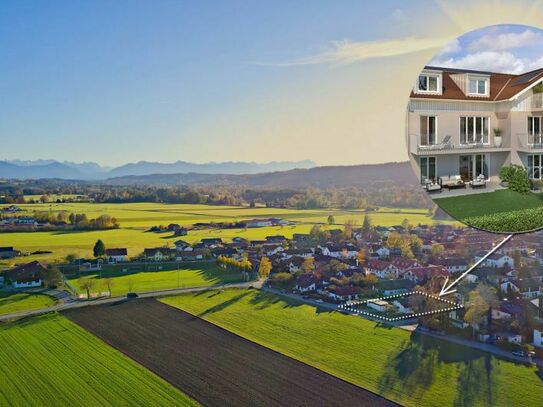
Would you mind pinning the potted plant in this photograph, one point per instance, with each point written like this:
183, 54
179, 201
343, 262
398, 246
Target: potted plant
497, 137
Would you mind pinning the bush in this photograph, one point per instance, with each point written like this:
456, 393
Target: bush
508, 222
517, 178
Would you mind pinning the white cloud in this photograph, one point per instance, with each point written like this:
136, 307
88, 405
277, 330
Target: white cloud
505, 41
535, 64
485, 61
398, 15
347, 51
451, 48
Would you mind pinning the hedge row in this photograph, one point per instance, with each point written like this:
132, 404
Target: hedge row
509, 222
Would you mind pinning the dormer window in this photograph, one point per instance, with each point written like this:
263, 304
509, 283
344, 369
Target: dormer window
478, 86
428, 83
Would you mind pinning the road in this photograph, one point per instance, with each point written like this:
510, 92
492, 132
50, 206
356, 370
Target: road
109, 300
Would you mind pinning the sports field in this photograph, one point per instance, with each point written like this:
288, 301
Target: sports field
14, 302
136, 218
50, 361
150, 278
408, 368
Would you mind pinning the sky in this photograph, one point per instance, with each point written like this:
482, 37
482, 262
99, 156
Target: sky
124, 81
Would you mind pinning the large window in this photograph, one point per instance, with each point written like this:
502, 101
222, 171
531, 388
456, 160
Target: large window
473, 165
428, 83
474, 130
534, 130
427, 169
535, 163
478, 87
428, 133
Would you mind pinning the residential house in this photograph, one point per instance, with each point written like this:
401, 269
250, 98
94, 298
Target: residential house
189, 255
181, 245
421, 274
211, 242
395, 287
379, 305
27, 275
451, 116
118, 255
306, 283
345, 293
157, 254
496, 260
454, 264
402, 304
382, 269
8, 252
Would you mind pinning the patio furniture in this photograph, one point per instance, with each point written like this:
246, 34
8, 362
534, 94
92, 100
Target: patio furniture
445, 144
431, 186
478, 182
452, 181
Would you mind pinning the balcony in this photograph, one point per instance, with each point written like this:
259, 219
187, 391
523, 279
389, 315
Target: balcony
451, 145
530, 142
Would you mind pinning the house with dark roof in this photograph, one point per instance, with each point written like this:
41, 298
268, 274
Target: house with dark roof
8, 252
27, 275
117, 255
452, 119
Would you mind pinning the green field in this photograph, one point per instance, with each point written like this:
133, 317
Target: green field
188, 275
14, 302
136, 218
49, 360
411, 369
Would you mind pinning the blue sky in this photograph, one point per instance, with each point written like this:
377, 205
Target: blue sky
502, 48
122, 81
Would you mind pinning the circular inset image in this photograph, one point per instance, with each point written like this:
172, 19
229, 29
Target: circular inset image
475, 128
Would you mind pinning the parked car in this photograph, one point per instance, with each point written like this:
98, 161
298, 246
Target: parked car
319, 301
518, 353
132, 295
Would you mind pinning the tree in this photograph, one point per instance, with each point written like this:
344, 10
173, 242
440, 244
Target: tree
331, 220
265, 267
308, 265
99, 249
361, 257
405, 224
86, 284
348, 229
108, 283
370, 280
71, 258
53, 277
366, 225
491, 298
476, 309
437, 249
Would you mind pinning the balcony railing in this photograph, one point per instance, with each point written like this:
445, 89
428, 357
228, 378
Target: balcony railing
420, 146
530, 141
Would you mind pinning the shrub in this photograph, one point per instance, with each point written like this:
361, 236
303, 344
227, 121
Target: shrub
517, 177
509, 222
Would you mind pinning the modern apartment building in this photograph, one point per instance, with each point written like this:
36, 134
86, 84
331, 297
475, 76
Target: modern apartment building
455, 115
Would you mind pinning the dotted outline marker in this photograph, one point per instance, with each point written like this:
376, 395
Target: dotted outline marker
348, 306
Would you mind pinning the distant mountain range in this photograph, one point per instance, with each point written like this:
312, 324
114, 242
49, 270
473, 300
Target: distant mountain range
317, 177
91, 171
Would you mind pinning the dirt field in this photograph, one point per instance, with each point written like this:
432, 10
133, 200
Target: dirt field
212, 365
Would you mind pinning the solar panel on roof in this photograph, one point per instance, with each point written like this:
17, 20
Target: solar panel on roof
526, 78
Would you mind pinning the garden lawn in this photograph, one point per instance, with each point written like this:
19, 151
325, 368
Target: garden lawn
14, 302
189, 275
50, 361
496, 211
503, 200
411, 369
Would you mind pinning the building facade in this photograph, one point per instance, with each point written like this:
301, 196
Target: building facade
471, 123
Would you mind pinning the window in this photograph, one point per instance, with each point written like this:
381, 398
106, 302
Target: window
534, 131
478, 87
428, 134
473, 165
427, 169
474, 130
428, 83
535, 166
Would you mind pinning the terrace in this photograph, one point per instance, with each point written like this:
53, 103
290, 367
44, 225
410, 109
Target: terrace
423, 145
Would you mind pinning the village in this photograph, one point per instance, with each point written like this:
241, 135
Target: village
342, 265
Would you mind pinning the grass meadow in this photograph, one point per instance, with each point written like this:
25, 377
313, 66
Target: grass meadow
14, 302
151, 278
48, 360
405, 367
136, 218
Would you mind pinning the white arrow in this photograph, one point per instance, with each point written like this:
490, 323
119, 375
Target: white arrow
445, 290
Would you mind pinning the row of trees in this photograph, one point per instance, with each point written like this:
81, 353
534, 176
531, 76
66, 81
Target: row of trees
228, 262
